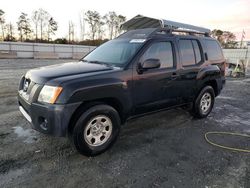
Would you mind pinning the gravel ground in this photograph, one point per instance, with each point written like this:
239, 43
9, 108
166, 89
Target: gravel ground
166, 149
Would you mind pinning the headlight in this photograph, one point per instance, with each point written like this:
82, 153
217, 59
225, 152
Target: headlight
49, 94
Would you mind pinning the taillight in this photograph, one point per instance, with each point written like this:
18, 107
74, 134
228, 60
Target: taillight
222, 67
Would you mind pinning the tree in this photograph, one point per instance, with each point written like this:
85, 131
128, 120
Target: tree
113, 22
111, 19
226, 38
229, 40
10, 32
52, 27
43, 18
100, 30
35, 19
71, 31
94, 20
40, 18
61, 41
82, 25
217, 34
23, 26
2, 22
119, 20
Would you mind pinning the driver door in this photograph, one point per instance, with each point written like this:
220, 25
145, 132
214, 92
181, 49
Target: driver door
154, 89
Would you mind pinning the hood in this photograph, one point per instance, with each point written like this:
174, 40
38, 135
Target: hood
44, 74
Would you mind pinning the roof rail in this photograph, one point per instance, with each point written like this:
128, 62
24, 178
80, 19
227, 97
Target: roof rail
189, 32
142, 22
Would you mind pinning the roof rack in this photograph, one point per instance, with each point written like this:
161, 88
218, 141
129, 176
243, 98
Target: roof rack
142, 22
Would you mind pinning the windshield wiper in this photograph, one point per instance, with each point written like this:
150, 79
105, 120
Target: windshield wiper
98, 62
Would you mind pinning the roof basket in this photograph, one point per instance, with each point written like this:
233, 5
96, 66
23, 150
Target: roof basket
142, 22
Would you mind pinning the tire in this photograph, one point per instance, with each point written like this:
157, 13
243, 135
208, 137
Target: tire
204, 102
96, 130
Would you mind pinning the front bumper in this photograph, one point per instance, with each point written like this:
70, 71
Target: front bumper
47, 118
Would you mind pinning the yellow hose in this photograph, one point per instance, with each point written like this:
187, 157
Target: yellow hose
226, 147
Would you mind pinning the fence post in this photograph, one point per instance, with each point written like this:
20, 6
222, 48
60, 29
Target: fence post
33, 50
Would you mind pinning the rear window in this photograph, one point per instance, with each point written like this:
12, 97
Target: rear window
190, 52
214, 51
187, 52
197, 51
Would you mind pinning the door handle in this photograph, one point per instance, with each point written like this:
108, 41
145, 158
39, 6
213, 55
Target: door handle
174, 75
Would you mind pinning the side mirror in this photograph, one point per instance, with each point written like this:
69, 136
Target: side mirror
150, 64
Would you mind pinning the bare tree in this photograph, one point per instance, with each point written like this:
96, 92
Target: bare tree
82, 26
23, 26
71, 31
41, 18
111, 19
119, 20
10, 32
52, 27
100, 30
2, 22
94, 20
35, 19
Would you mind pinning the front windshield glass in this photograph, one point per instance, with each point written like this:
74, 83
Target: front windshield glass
114, 52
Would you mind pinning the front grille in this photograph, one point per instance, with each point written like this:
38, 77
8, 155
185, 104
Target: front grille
26, 84
25, 88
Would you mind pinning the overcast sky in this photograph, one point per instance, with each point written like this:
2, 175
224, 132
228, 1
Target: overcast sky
231, 15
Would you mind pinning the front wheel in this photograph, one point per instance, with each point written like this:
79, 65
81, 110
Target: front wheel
204, 102
96, 130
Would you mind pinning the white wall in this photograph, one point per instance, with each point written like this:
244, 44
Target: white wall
26, 50
232, 55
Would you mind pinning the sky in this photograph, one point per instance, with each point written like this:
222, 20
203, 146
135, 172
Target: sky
230, 15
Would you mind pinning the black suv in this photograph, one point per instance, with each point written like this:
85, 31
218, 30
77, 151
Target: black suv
143, 70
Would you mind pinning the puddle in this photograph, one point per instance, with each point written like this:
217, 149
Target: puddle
29, 135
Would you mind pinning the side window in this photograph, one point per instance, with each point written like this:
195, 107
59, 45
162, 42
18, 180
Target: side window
162, 51
187, 52
197, 51
214, 51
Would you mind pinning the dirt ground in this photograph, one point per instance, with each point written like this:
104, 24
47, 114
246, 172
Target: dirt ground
166, 149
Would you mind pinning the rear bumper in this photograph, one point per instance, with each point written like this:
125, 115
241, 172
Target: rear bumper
46, 118
220, 84
223, 82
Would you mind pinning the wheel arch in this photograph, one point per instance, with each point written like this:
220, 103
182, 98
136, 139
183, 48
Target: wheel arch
113, 102
214, 85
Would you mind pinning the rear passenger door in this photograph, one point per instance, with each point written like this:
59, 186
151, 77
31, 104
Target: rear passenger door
191, 56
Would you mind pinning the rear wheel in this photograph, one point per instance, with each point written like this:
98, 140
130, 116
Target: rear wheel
96, 130
204, 102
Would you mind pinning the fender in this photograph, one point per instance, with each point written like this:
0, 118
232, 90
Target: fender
208, 71
97, 89
210, 75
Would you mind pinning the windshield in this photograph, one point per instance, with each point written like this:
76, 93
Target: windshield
114, 52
